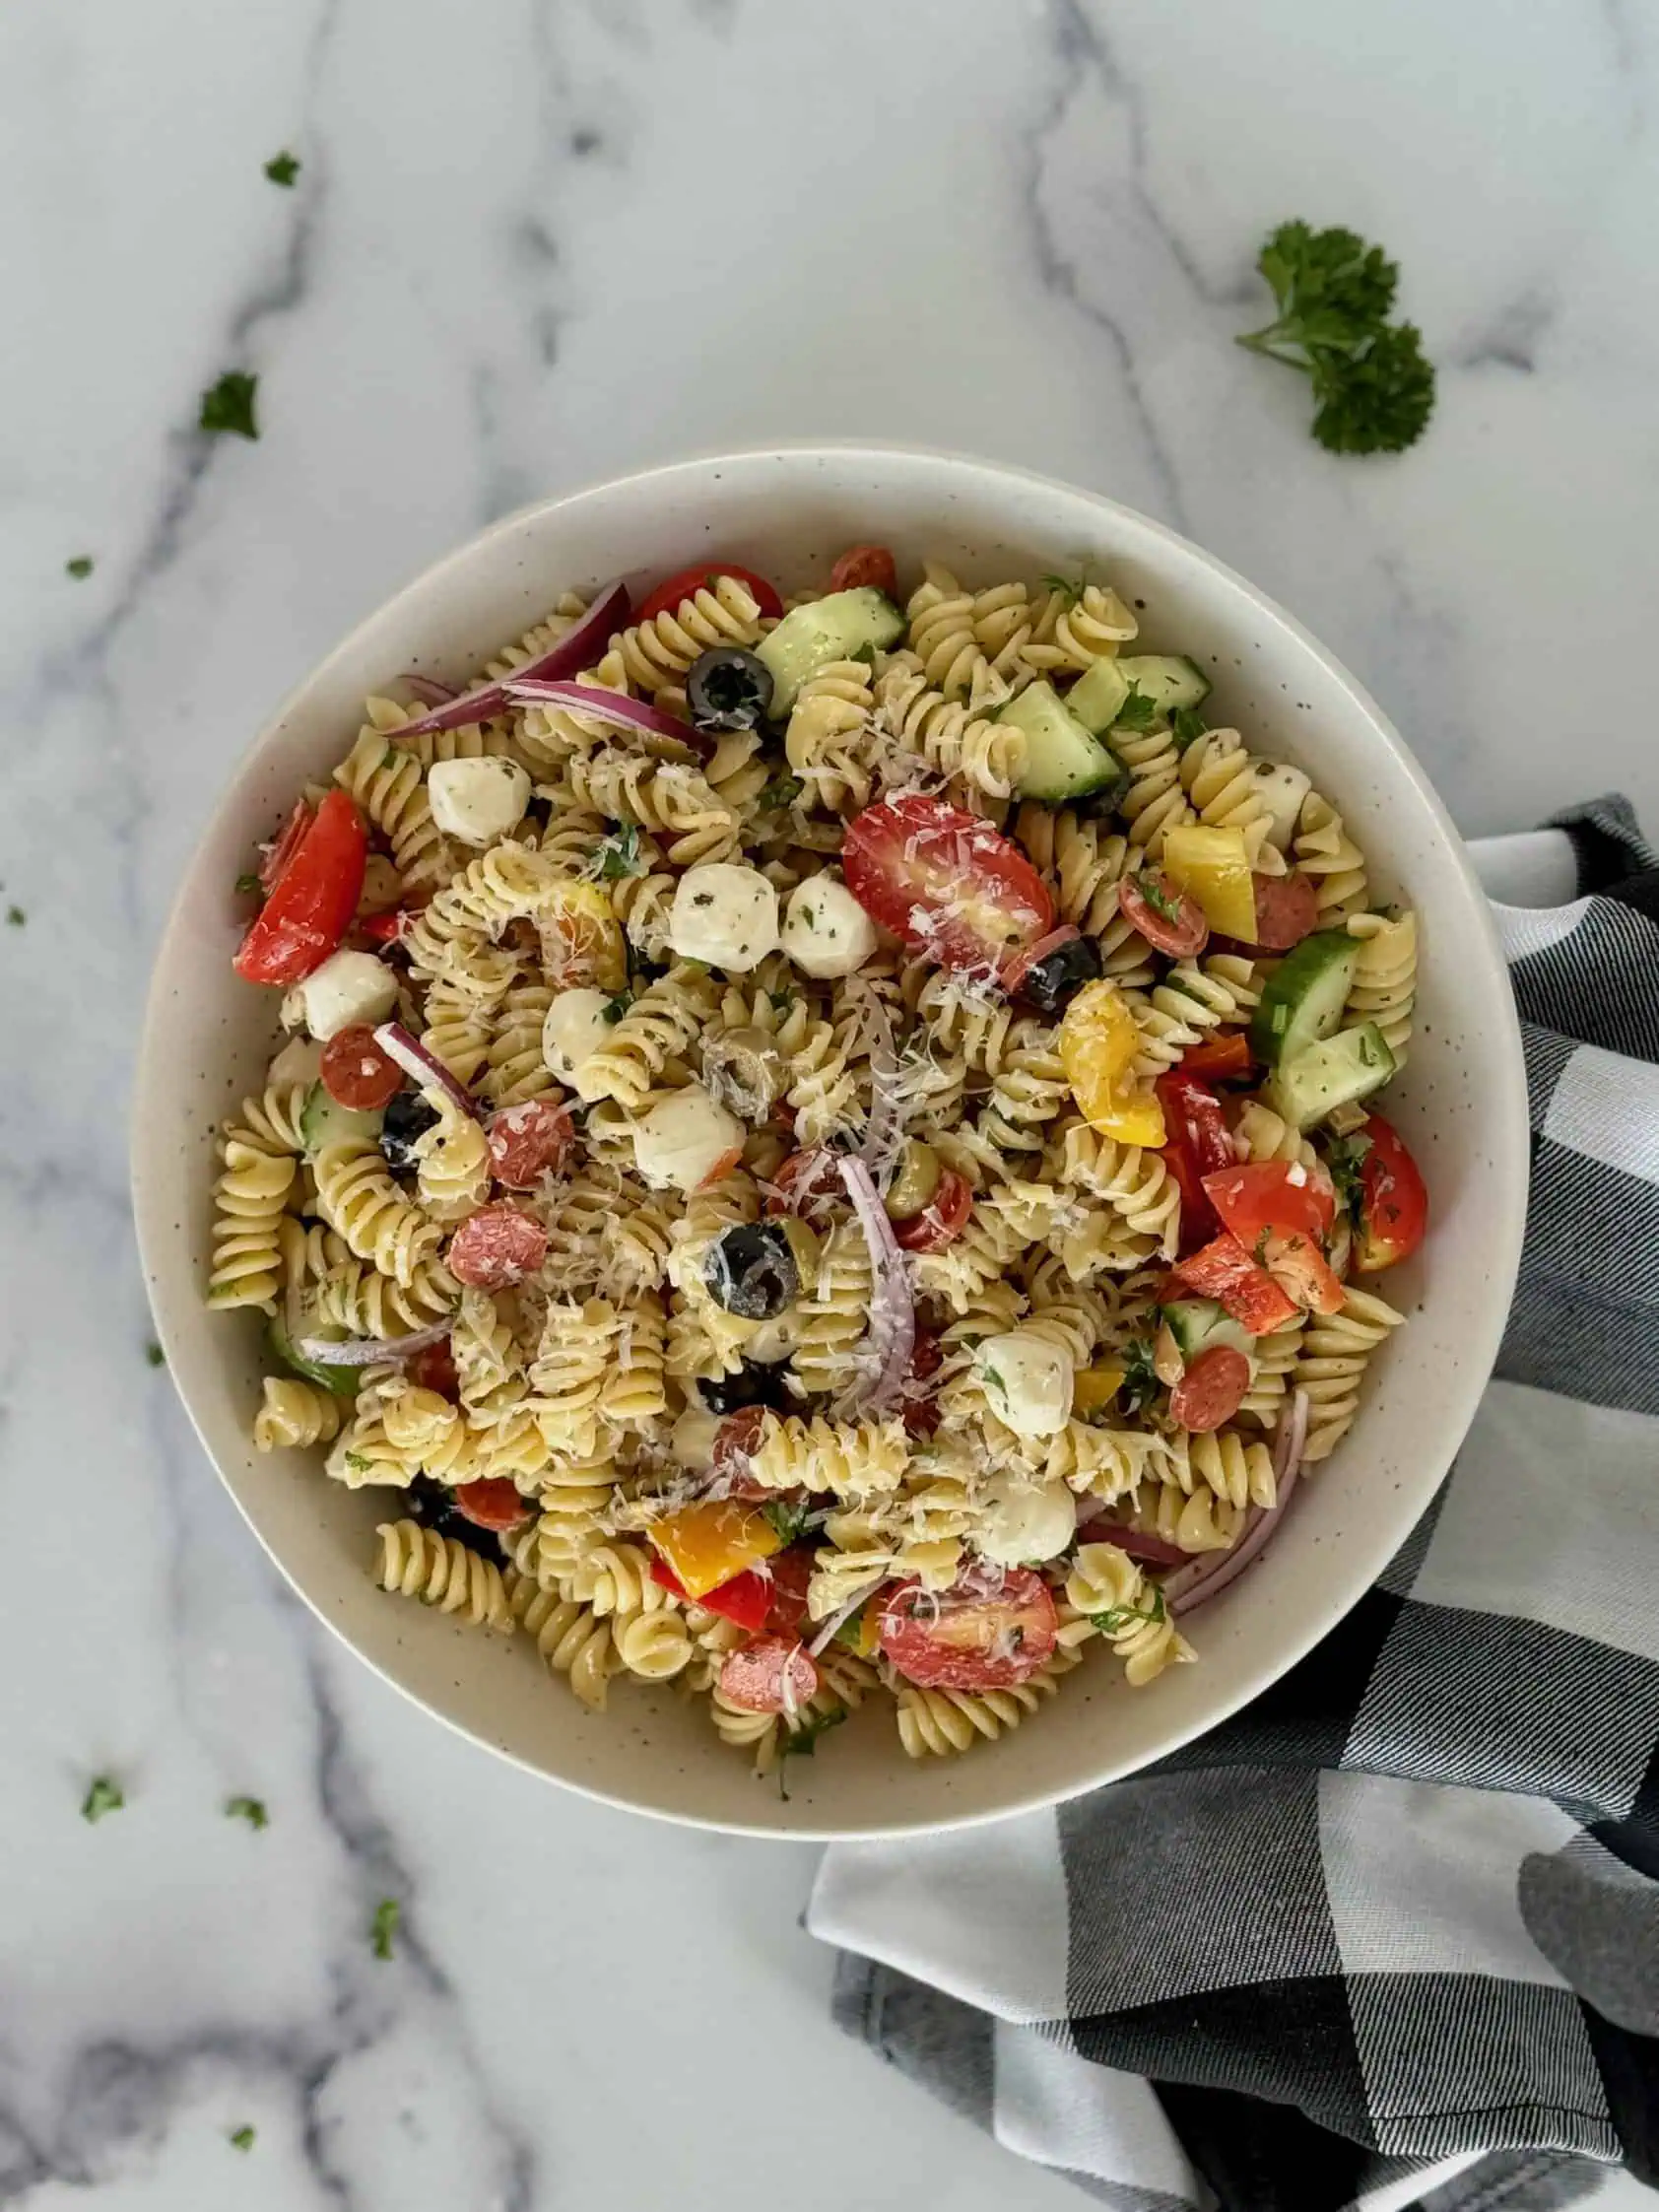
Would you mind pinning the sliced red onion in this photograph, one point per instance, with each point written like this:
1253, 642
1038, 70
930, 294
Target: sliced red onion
364, 1351
1151, 1551
826, 1633
891, 1336
575, 650
427, 689
426, 1069
1209, 1581
609, 706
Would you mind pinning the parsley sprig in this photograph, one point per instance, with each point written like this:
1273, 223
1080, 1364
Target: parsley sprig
1140, 1385
228, 404
1138, 712
1373, 387
1117, 1618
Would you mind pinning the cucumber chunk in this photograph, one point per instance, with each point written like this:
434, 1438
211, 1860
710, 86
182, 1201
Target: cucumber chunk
1097, 693
343, 1382
1302, 999
1169, 680
1339, 1071
1064, 761
837, 627
1196, 1323
323, 1121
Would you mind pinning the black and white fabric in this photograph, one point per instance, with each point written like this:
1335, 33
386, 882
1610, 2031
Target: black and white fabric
1391, 1936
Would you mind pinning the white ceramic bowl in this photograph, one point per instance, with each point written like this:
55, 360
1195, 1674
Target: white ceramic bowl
1461, 1103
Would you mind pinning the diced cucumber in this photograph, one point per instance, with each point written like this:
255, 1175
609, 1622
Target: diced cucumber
343, 1382
1198, 1322
1283, 788
1097, 693
1169, 680
1337, 1072
837, 627
1063, 760
323, 1121
1302, 999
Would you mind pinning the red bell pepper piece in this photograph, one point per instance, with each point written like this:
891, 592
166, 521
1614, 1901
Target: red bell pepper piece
1225, 1271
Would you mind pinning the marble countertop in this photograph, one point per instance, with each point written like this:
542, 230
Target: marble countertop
532, 243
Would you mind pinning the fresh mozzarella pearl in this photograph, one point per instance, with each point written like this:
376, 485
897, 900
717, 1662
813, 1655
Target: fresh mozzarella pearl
724, 915
1028, 1382
573, 1027
479, 800
825, 931
348, 988
1026, 1521
684, 1138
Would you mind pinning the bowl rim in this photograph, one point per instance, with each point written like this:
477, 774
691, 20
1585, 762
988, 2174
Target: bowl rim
1339, 1589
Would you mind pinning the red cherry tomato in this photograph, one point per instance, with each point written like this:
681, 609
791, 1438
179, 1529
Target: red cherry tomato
1393, 1201
919, 1408
1196, 1142
735, 1438
1287, 910
1300, 1269
947, 883
312, 903
497, 1248
1020, 966
528, 1141
941, 1221
434, 1369
387, 929
493, 1503
356, 1072
1169, 920
804, 1183
284, 847
773, 1674
988, 1632
1212, 1390
1270, 1194
1218, 1059
787, 1578
1225, 1271
685, 583
866, 566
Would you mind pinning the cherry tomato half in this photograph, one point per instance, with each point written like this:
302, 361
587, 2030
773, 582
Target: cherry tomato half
987, 1632
685, 583
941, 1221
312, 900
1169, 920
1196, 1144
866, 566
1270, 1194
286, 845
357, 1073
1393, 1200
946, 882
493, 1503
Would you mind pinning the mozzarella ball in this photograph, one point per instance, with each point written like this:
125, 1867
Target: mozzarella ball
1024, 1521
724, 915
1028, 1382
477, 801
825, 931
691, 1442
574, 1026
684, 1138
348, 988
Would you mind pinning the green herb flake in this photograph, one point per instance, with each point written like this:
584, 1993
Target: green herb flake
619, 855
80, 568
250, 1809
1140, 1385
615, 1008
248, 884
802, 1743
282, 168
384, 1926
1158, 896
155, 1355
1187, 725
782, 1002
242, 2138
1139, 710
1117, 1618
1345, 1156
358, 1462
1068, 590
1261, 1247
228, 407
103, 1796
15, 918
995, 1381
788, 1517
781, 792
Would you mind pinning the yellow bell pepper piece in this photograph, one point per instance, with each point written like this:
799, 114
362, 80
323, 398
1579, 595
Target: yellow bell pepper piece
708, 1543
861, 1631
1096, 1387
1099, 1043
1215, 867
583, 941
1129, 1117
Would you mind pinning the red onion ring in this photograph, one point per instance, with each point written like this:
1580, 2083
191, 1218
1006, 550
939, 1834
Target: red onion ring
575, 650
364, 1351
1151, 1551
427, 689
430, 1072
891, 1335
1209, 1581
609, 706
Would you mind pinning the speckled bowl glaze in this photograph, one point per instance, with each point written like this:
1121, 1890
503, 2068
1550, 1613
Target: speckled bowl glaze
1461, 1103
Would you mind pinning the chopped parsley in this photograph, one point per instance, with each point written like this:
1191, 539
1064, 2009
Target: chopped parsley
242, 2138
615, 1008
1069, 590
782, 1000
788, 1516
1139, 710
781, 792
995, 1381
228, 407
802, 1743
155, 1355
103, 1796
619, 855
1117, 1618
1140, 1385
1151, 886
250, 1809
282, 168
1345, 1159
247, 881
80, 568
1186, 725
15, 918
357, 1461
384, 1926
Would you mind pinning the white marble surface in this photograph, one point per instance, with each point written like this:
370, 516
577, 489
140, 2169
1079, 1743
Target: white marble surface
532, 244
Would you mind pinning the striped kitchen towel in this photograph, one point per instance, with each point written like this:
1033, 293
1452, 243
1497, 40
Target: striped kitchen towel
1391, 1935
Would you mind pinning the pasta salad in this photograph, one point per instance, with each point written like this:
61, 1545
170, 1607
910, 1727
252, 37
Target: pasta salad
823, 1150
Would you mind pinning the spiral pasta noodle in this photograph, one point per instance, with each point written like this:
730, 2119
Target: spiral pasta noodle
1336, 1351
1384, 986
442, 1572
294, 1412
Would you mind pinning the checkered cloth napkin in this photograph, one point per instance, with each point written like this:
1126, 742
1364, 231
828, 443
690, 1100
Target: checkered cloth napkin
1391, 1935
